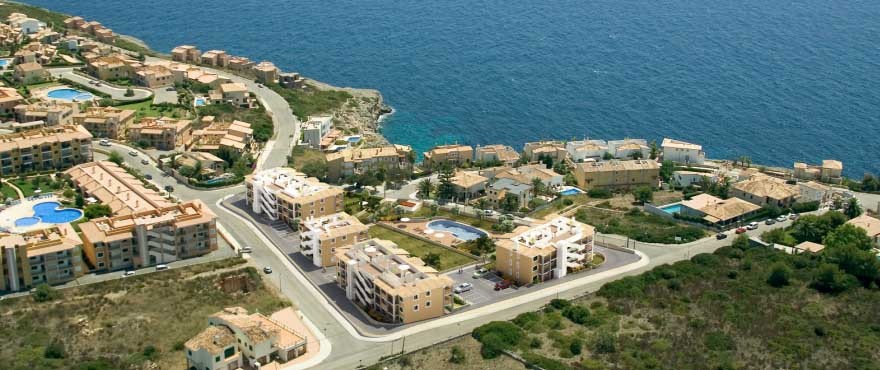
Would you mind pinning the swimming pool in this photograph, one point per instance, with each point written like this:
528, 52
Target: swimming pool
457, 229
50, 213
69, 94
199, 102
354, 139
4, 63
571, 191
672, 208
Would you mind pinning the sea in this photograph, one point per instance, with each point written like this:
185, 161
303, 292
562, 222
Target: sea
778, 81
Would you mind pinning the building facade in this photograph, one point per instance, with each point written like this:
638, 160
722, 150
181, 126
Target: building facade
47, 256
315, 129
617, 174
108, 122
452, 155
115, 187
163, 133
544, 252
320, 237
285, 194
765, 190
682, 152
44, 149
348, 162
502, 154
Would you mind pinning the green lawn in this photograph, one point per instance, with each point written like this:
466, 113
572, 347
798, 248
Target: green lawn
8, 191
418, 248
147, 109
484, 224
640, 226
27, 187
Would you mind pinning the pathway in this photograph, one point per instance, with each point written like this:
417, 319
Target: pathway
17, 190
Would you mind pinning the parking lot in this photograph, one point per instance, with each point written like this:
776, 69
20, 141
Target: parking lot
483, 290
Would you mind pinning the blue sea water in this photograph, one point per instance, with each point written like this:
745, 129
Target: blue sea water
780, 81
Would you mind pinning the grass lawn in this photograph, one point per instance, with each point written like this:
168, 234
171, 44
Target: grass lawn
147, 109
27, 187
301, 156
418, 248
305, 103
125, 323
561, 203
640, 226
42, 85
8, 191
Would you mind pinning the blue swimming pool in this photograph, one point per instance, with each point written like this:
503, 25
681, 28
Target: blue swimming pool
199, 102
50, 213
571, 191
354, 139
457, 229
69, 94
672, 208
4, 62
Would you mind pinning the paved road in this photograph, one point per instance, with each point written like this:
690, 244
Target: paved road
114, 92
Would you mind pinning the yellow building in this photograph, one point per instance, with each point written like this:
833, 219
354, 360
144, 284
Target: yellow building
161, 133
154, 76
185, 54
115, 187
46, 256
111, 67
454, 155
539, 149
266, 72
284, 194
547, 251
215, 58
236, 136
150, 237
829, 171
390, 284
765, 190
106, 122
30, 73
9, 99
44, 149
348, 162
617, 174
320, 237
496, 153
50, 112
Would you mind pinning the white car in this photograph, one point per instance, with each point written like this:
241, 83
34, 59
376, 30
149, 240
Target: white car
128, 273
782, 218
267, 270
104, 142
133, 153
145, 161
161, 267
752, 226
246, 250
463, 287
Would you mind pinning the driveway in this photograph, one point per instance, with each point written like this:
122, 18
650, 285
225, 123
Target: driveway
114, 92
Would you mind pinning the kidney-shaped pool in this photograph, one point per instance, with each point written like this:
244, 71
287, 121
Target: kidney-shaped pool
457, 229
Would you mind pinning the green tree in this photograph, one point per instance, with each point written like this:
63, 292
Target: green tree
432, 259
636, 154
655, 150
426, 187
667, 168
129, 92
778, 236
607, 156
538, 187
828, 278
852, 209
457, 355
850, 248
44, 293
741, 242
483, 245
55, 350
446, 190
115, 157
93, 211
509, 203
643, 194
780, 275
317, 169
80, 201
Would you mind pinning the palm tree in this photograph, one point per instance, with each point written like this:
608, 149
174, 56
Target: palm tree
537, 186
425, 188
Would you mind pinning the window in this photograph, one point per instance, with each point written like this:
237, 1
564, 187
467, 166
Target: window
416, 297
229, 352
535, 258
100, 254
416, 308
217, 359
427, 304
428, 293
100, 264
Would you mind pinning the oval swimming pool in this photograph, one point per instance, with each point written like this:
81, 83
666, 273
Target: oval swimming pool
69, 94
457, 229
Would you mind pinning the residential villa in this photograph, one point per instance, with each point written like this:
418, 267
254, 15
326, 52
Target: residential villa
108, 122
240, 64
9, 99
53, 113
351, 161
544, 252
811, 191
527, 173
163, 133
686, 178
617, 174
111, 67
496, 153
871, 226
390, 284
539, 149
808, 247
682, 152
586, 150
154, 76
500, 189
74, 22
51, 256
211, 164
321, 237
235, 136
235, 339
315, 129
26, 24
186, 54
9, 36
765, 190
215, 58
469, 184
36, 52
30, 73
44, 149
284, 194
629, 149
453, 155
235, 93
717, 211
113, 186
830, 171
265, 72
147, 238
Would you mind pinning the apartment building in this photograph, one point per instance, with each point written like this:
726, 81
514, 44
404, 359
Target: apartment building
215, 58
26, 24
617, 174
108, 122
265, 72
9, 36
9, 99
74, 22
496, 153
44, 149
36, 52
186, 54
497, 191
348, 162
115, 187
830, 171
105, 35
236, 136
315, 129
240, 64
284, 194
540, 149
321, 237
682, 152
30, 73
586, 150
527, 173
146, 238
629, 149
453, 155
235, 339
544, 252
163, 133
235, 93
385, 280
871, 226
52, 113
765, 190
46, 256
153, 76
469, 184
111, 67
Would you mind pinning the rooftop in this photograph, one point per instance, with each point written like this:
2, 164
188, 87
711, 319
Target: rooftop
115, 187
870, 224
291, 183
616, 165
334, 225
765, 186
57, 238
395, 270
672, 143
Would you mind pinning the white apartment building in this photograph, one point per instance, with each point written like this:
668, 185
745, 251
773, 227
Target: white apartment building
627, 148
315, 129
584, 150
546, 251
285, 194
320, 237
682, 152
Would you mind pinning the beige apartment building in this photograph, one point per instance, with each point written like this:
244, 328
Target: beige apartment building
265, 72
235, 93
44, 149
211, 164
616, 174
321, 237
163, 133
871, 226
830, 171
765, 190
240, 64
539, 149
215, 58
284, 194
9, 99
52, 113
151, 237
153, 76
544, 252
386, 281
454, 155
115, 187
185, 54
108, 122
30, 73
46, 256
496, 153
236, 136
348, 162
111, 67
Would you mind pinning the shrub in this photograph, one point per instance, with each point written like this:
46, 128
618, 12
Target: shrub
45, 293
599, 193
577, 314
805, 207
457, 355
575, 346
559, 304
55, 349
780, 275
830, 279
604, 343
496, 337
544, 362
526, 320
718, 341
536, 343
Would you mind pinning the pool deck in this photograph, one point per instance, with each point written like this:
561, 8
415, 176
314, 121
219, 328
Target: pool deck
24, 209
420, 229
43, 93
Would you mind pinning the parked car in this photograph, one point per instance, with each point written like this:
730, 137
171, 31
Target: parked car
480, 272
246, 249
741, 230
104, 142
782, 218
127, 273
720, 236
161, 267
463, 287
770, 221
171, 89
148, 177
793, 216
267, 270
503, 284
260, 85
145, 161
752, 226
133, 153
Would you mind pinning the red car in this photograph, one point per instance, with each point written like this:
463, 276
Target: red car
740, 230
503, 284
